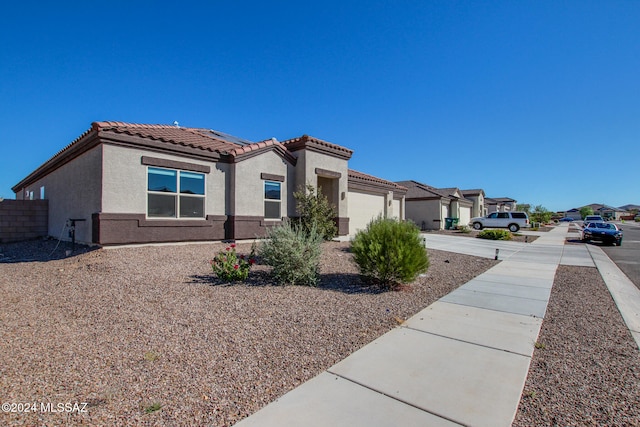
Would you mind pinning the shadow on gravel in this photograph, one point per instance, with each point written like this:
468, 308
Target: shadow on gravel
40, 251
347, 283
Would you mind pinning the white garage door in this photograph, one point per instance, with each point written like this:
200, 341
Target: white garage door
362, 209
465, 216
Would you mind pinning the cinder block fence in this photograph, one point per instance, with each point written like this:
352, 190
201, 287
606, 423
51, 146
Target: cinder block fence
23, 220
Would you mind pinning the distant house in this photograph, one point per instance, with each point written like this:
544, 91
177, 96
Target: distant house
499, 204
133, 183
605, 211
608, 212
429, 207
477, 196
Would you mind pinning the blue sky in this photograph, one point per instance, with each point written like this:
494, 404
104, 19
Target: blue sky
534, 100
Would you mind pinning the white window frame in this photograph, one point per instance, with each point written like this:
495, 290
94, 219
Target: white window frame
177, 195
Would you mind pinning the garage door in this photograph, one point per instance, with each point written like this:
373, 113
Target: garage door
465, 216
363, 208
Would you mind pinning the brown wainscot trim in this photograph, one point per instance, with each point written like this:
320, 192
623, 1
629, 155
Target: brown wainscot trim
271, 177
122, 229
174, 164
327, 173
343, 226
248, 227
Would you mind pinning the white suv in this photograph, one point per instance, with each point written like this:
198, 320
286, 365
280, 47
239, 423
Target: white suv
511, 220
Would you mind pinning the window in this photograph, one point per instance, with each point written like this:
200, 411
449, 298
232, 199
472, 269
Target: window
503, 215
272, 200
174, 193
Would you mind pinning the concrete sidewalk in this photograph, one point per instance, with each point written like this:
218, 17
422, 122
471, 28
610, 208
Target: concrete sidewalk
461, 361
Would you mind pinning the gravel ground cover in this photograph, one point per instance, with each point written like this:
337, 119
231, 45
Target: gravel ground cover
586, 367
147, 336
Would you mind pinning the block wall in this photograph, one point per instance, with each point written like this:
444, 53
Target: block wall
23, 220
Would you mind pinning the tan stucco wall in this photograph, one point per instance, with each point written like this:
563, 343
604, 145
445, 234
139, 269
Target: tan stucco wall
305, 173
425, 210
125, 181
396, 211
73, 191
248, 189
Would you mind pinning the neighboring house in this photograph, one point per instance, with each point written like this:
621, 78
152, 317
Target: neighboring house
132, 183
499, 204
371, 197
428, 206
608, 212
573, 214
477, 196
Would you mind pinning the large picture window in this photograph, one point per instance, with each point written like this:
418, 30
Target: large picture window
272, 200
174, 193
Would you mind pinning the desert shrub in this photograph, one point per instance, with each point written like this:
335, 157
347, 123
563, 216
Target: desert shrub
293, 253
389, 252
316, 211
495, 234
230, 266
464, 229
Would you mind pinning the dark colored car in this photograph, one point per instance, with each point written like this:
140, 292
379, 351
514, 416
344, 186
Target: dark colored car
604, 232
566, 219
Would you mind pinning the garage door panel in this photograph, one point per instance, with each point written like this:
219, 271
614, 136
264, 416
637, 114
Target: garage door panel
363, 208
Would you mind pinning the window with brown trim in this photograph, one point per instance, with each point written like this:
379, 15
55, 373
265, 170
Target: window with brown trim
272, 200
175, 193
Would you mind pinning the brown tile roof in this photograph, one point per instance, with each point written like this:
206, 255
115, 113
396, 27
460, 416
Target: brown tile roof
473, 192
359, 177
419, 190
204, 139
306, 141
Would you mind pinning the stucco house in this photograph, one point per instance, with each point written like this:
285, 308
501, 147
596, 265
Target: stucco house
128, 183
477, 196
499, 204
429, 207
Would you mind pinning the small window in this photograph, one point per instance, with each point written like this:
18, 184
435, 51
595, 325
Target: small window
503, 215
272, 200
42, 193
175, 193
493, 215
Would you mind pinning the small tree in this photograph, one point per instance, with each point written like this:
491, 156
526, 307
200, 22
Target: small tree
585, 211
389, 252
541, 214
524, 207
316, 212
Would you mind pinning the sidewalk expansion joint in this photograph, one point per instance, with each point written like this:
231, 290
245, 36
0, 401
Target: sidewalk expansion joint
499, 311
398, 399
469, 342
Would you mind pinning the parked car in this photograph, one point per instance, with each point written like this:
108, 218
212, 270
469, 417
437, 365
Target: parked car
592, 218
566, 219
511, 220
603, 232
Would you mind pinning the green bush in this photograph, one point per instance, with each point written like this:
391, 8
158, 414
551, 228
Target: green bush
389, 252
464, 229
495, 234
316, 211
293, 253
